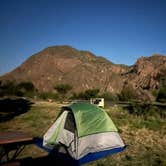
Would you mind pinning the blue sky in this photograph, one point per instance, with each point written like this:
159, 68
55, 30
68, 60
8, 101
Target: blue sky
119, 30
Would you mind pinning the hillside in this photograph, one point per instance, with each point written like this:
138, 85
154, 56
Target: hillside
84, 70
64, 64
147, 74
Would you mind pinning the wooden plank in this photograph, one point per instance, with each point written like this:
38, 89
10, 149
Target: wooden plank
13, 163
10, 137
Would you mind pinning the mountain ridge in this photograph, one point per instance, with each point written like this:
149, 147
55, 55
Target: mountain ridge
84, 70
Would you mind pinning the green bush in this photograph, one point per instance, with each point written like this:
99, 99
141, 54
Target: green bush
7, 88
109, 96
48, 95
127, 94
12, 88
146, 110
90, 93
25, 89
63, 89
154, 92
161, 97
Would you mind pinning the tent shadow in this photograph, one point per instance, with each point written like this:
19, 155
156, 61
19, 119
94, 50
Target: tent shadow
10, 108
54, 158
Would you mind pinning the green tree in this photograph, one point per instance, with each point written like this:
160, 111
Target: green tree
21, 89
127, 93
161, 97
25, 89
109, 96
90, 93
48, 95
63, 89
7, 88
28, 86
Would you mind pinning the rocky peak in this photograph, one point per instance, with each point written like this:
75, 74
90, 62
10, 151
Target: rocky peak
84, 70
146, 71
147, 65
64, 64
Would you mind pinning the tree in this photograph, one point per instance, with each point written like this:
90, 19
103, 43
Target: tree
48, 95
7, 88
109, 96
14, 89
25, 89
63, 89
28, 86
161, 97
127, 93
90, 93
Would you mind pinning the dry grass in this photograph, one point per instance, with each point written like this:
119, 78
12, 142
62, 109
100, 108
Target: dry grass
145, 138
34, 122
146, 146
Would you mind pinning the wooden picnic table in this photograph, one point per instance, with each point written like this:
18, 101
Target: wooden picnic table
13, 141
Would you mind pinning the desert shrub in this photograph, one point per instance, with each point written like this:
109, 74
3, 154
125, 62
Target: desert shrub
146, 110
90, 93
127, 94
14, 89
28, 86
62, 89
135, 109
48, 95
152, 123
109, 96
154, 92
161, 97
25, 89
7, 88
151, 110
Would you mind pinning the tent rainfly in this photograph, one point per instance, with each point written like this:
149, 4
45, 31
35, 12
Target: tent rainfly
86, 131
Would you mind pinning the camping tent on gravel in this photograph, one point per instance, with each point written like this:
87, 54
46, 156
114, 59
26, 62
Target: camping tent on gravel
86, 131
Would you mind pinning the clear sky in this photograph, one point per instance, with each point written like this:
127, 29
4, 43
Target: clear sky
119, 30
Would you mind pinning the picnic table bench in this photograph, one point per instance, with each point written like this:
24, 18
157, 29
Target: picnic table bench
13, 141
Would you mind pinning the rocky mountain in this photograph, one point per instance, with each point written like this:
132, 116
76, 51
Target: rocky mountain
147, 74
83, 70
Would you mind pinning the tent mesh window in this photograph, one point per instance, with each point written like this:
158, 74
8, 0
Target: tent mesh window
70, 123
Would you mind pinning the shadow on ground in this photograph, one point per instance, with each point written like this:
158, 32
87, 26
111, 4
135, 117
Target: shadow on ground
10, 108
50, 160
58, 159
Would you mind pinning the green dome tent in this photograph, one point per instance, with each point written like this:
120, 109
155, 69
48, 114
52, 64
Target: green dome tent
86, 131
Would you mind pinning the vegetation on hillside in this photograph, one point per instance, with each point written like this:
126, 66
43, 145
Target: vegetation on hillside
63, 89
11, 88
161, 96
127, 94
48, 95
86, 95
27, 89
109, 96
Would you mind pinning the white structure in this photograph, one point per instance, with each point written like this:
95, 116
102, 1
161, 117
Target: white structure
97, 101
